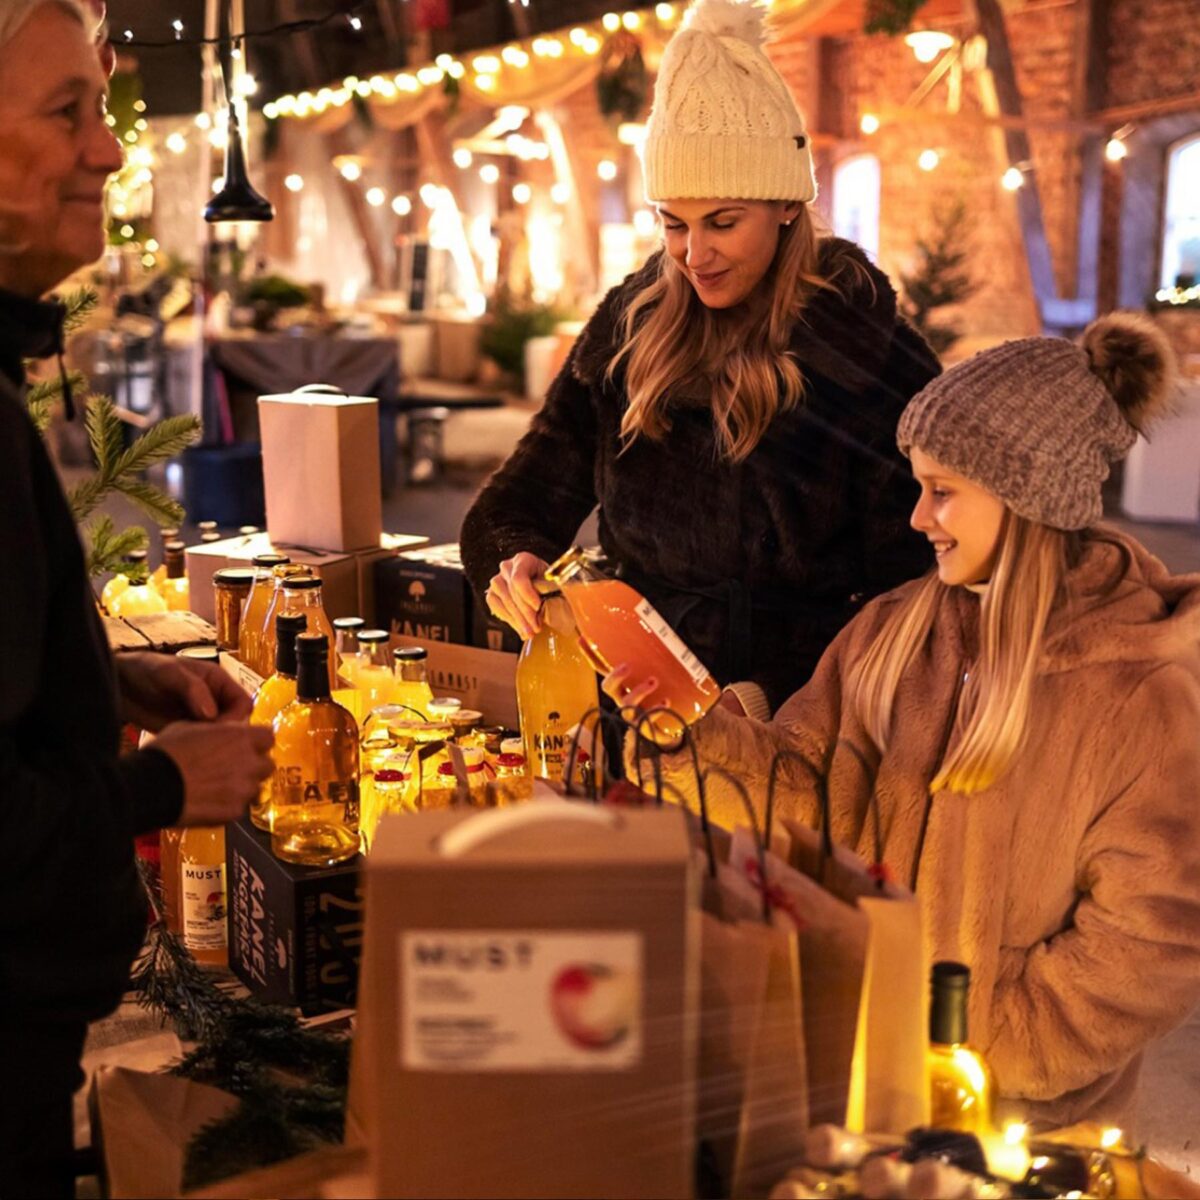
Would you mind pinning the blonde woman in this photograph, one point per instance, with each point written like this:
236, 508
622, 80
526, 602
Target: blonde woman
731, 408
1026, 717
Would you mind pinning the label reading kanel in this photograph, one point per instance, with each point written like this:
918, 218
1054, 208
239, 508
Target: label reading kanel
491, 1000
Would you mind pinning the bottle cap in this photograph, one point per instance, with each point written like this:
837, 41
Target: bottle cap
389, 775
206, 526
168, 533
300, 583
472, 756
951, 974
210, 535
515, 761
444, 706
200, 653
173, 547
410, 653
349, 623
134, 556
513, 745
445, 768
233, 577
312, 645
371, 636
247, 530
270, 560
292, 623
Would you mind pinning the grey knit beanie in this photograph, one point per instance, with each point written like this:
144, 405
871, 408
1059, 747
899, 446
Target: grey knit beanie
1038, 422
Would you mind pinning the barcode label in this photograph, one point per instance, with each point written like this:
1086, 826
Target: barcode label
673, 642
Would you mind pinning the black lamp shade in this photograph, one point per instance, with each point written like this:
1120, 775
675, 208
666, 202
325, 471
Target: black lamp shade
237, 200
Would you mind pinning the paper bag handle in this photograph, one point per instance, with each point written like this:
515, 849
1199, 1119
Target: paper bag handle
484, 826
318, 389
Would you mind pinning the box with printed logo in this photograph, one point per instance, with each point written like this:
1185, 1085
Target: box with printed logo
424, 594
295, 933
532, 975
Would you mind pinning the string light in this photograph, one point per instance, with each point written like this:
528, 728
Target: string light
560, 193
177, 25
152, 245
402, 206
1013, 179
462, 158
927, 44
1111, 1138
203, 121
355, 22
176, 143
351, 172
485, 83
127, 231
645, 223
376, 197
612, 22
139, 106
522, 193
631, 20
489, 173
1115, 149
631, 133
578, 37
486, 64
429, 76
592, 45
928, 160
869, 124
607, 170
294, 183
665, 13
430, 193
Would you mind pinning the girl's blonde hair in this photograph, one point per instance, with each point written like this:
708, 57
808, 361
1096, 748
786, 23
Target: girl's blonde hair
14, 14
741, 358
1028, 580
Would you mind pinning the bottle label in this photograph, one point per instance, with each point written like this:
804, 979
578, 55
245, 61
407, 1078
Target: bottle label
521, 1000
673, 642
203, 897
291, 787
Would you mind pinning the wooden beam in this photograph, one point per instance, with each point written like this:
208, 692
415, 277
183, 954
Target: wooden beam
1002, 96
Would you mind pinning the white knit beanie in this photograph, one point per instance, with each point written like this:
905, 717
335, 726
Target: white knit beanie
724, 125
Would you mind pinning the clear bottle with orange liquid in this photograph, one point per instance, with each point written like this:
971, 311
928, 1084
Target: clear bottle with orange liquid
168, 534
617, 625
254, 615
141, 597
203, 894
556, 686
373, 680
174, 586
276, 693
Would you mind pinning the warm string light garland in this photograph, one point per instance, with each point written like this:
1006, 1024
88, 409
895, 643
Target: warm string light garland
126, 37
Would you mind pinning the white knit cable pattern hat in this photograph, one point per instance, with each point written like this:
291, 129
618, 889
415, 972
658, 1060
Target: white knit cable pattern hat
724, 125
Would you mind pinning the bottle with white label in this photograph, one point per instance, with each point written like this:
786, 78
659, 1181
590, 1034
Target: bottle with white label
203, 894
556, 687
618, 625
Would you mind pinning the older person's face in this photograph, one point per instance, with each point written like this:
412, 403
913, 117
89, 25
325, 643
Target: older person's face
56, 152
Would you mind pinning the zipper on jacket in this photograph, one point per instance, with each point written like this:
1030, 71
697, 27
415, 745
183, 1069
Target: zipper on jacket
946, 736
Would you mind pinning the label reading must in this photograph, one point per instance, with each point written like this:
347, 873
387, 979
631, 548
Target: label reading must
501, 1000
203, 892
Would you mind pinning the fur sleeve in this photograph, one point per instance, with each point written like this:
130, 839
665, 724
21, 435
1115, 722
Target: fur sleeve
1127, 970
541, 495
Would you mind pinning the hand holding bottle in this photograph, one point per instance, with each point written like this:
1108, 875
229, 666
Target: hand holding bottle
615, 684
512, 595
222, 765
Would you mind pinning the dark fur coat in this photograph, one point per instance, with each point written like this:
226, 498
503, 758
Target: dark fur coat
756, 564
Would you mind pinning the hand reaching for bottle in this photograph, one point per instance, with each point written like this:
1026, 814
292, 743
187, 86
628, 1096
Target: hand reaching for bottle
222, 764
512, 596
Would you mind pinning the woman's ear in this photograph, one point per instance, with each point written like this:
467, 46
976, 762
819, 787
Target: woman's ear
791, 210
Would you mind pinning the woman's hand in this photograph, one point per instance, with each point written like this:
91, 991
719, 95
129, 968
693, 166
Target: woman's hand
616, 685
158, 689
511, 595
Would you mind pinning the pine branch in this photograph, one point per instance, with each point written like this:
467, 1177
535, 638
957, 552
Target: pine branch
108, 548
164, 440
80, 304
106, 432
153, 501
42, 397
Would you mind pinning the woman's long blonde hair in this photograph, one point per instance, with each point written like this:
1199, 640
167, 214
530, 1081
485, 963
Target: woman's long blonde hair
1028, 580
741, 357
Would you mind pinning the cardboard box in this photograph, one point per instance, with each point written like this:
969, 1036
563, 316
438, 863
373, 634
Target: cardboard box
489, 633
527, 1022
482, 679
295, 933
320, 455
349, 589
333, 1171
424, 594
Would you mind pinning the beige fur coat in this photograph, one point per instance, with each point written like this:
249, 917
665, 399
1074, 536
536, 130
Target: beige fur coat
1071, 887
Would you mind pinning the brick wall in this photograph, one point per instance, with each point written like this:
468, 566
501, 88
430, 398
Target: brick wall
1153, 48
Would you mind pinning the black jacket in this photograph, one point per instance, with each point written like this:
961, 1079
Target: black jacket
757, 565
72, 912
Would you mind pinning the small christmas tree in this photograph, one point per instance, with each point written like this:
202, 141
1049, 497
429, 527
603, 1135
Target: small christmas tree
119, 468
941, 277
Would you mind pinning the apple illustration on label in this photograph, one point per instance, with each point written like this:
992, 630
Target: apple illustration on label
595, 1006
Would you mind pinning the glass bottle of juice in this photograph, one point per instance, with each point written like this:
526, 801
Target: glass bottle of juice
410, 685
140, 598
556, 686
512, 776
305, 595
314, 802
275, 605
346, 631
133, 563
962, 1088
254, 614
167, 534
373, 677
168, 867
276, 693
202, 894
618, 625
174, 588
231, 589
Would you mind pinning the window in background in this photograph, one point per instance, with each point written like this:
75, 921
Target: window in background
1181, 215
856, 201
